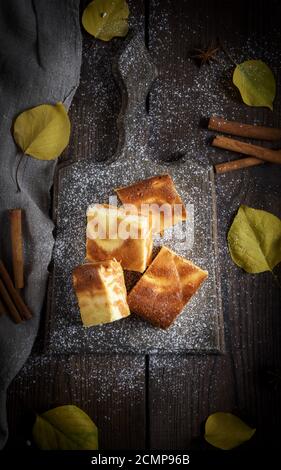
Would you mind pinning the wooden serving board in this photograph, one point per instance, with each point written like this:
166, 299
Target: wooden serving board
200, 327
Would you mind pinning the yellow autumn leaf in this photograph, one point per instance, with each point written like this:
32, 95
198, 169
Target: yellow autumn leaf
226, 431
43, 132
256, 83
65, 428
106, 19
254, 240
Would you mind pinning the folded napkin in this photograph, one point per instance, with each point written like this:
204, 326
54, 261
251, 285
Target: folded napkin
40, 58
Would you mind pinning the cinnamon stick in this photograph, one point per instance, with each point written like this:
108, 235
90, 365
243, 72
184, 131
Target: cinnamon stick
243, 130
15, 295
9, 303
237, 164
234, 145
2, 309
17, 246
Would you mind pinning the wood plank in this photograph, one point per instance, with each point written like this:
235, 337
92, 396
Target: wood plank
183, 392
96, 105
109, 388
80, 185
194, 386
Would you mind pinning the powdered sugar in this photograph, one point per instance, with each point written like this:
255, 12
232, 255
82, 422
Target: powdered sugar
198, 93
85, 182
201, 92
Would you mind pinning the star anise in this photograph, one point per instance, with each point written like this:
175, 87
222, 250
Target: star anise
205, 56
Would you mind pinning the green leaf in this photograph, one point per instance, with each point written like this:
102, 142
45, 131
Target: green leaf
65, 428
43, 132
255, 82
226, 431
106, 19
254, 240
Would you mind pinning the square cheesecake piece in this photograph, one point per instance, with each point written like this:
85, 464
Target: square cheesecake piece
159, 192
101, 292
114, 233
165, 288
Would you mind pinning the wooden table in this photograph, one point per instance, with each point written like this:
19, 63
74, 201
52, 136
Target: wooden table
155, 401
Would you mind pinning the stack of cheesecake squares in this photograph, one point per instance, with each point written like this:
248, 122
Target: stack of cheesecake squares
121, 238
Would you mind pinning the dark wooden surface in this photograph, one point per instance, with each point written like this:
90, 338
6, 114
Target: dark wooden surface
161, 402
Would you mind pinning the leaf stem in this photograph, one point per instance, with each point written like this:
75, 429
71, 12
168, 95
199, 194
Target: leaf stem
17, 172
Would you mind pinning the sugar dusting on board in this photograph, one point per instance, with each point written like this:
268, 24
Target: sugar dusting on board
199, 327
212, 93
129, 374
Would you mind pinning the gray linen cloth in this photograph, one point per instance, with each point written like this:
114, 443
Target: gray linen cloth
40, 58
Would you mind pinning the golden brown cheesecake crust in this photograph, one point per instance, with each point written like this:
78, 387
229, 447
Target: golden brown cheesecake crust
160, 191
165, 288
101, 292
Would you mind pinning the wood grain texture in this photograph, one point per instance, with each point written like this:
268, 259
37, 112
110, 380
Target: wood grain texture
168, 405
183, 392
109, 388
242, 381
